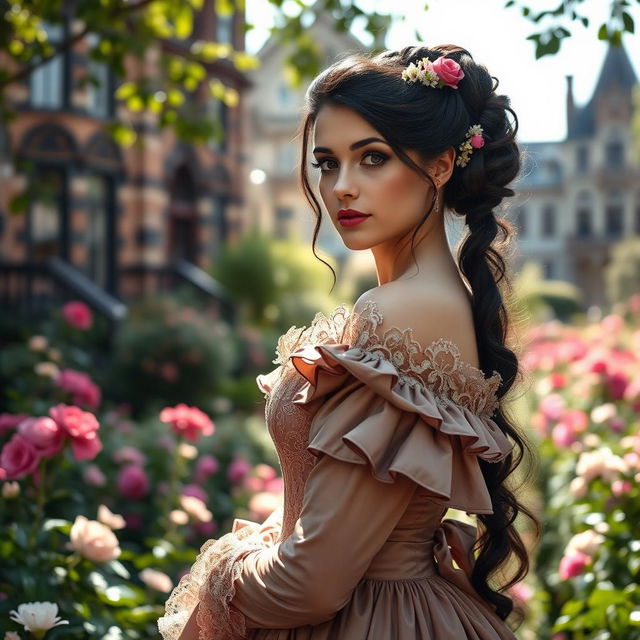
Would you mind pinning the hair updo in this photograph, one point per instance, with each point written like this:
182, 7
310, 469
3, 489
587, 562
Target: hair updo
430, 121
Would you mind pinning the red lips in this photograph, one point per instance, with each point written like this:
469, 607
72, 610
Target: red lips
351, 213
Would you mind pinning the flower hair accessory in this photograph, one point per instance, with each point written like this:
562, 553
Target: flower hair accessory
443, 72
473, 140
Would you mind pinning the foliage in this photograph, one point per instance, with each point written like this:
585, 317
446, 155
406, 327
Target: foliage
622, 274
539, 297
280, 284
141, 470
168, 353
585, 410
549, 40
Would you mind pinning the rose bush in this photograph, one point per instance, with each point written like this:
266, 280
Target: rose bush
584, 408
101, 512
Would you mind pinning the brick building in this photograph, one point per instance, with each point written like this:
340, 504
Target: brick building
116, 215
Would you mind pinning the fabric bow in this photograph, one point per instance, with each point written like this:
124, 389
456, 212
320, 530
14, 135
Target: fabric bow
461, 537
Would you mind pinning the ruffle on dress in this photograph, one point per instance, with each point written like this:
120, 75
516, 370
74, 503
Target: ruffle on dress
365, 412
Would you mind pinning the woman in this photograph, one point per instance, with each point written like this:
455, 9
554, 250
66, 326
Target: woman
385, 416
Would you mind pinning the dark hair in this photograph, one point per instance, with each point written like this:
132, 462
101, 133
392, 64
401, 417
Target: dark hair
430, 121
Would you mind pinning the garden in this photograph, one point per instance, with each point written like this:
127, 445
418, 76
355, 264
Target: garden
120, 456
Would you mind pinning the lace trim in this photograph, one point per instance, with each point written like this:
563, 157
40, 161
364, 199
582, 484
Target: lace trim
438, 366
211, 584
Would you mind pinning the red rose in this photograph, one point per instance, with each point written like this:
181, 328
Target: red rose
189, 422
19, 457
82, 426
78, 315
448, 71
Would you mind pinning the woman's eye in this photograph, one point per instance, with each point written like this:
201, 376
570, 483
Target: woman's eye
321, 164
377, 158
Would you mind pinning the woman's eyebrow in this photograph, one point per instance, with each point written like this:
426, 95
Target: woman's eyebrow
353, 147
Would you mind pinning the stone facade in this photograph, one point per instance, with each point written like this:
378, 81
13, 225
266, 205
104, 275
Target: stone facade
578, 197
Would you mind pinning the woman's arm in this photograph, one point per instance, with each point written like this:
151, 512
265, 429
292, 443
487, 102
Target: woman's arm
347, 515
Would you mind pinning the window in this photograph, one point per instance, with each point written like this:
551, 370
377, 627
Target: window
219, 111
614, 220
549, 221
582, 159
47, 82
46, 215
614, 154
100, 87
283, 217
224, 29
99, 206
584, 223
285, 95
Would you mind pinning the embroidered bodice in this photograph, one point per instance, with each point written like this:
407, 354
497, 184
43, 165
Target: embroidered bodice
437, 367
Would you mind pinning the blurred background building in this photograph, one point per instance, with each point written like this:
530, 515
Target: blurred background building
276, 204
576, 198
119, 216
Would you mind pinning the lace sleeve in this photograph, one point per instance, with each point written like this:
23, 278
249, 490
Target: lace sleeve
210, 583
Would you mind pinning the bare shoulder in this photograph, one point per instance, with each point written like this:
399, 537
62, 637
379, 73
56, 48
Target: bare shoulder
432, 312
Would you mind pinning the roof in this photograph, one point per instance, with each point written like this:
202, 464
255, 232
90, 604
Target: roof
616, 71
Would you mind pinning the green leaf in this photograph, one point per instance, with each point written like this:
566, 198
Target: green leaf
184, 22
122, 595
628, 23
603, 32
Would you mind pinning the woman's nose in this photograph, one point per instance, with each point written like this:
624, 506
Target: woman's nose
345, 186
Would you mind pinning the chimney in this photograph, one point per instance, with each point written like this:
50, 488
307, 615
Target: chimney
570, 104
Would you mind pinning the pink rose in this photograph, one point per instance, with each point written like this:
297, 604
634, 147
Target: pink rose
195, 491
205, 529
82, 426
9, 421
238, 470
206, 466
132, 482
617, 384
448, 71
19, 457
94, 540
93, 475
477, 141
156, 580
262, 504
189, 422
76, 422
79, 384
620, 487
573, 565
130, 455
562, 435
45, 434
275, 485
553, 406
78, 315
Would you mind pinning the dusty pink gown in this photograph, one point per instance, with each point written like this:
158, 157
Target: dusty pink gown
377, 436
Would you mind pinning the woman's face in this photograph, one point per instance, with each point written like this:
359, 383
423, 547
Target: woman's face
360, 174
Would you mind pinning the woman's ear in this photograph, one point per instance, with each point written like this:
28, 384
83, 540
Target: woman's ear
441, 167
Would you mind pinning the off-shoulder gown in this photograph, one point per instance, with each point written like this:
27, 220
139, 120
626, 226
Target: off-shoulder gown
377, 436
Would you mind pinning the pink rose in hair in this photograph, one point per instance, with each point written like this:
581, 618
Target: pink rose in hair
19, 457
78, 315
133, 482
45, 434
189, 422
448, 70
